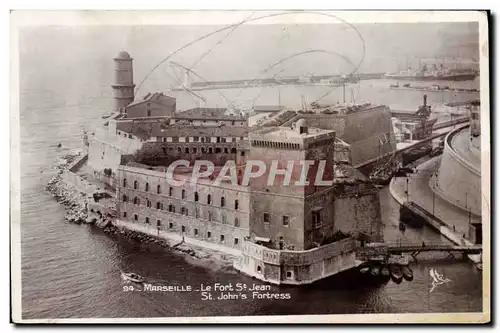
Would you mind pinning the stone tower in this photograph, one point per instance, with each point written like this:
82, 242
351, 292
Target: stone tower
123, 86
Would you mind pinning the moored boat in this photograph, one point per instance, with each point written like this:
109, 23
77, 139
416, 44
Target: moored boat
396, 274
132, 277
407, 273
364, 270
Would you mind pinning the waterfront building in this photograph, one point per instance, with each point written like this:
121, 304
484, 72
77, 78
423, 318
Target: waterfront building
283, 233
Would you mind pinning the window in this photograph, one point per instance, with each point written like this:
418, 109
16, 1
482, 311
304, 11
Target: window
223, 218
158, 205
186, 150
183, 195
196, 138
226, 150
164, 139
136, 217
236, 241
218, 139
266, 218
124, 182
195, 150
289, 275
158, 189
236, 222
147, 187
210, 151
209, 234
236, 204
183, 210
171, 208
183, 229
209, 199
242, 153
124, 214
203, 150
218, 150
286, 221
136, 201
196, 196
147, 220
136, 184
223, 140
210, 216
202, 139
148, 203
179, 150
259, 269
196, 212
187, 139
316, 217
158, 223
170, 191
196, 232
164, 149
222, 238
222, 201
125, 199
170, 225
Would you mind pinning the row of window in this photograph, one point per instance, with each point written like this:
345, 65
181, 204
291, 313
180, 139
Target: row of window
183, 194
267, 220
184, 211
316, 217
183, 228
203, 150
202, 139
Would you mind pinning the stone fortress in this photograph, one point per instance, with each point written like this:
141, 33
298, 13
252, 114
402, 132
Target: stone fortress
282, 234
458, 179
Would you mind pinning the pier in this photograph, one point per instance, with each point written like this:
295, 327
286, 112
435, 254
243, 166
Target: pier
313, 80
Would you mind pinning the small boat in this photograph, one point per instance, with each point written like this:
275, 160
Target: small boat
407, 273
375, 270
402, 226
132, 277
364, 270
396, 274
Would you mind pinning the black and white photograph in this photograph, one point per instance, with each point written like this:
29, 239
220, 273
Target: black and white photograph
250, 166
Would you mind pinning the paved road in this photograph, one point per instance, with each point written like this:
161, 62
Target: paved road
420, 192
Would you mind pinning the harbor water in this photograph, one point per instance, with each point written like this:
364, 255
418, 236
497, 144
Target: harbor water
74, 270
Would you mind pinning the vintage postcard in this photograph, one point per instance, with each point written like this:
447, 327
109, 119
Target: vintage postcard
250, 167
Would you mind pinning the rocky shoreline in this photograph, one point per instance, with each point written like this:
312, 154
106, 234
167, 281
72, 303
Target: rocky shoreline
76, 204
75, 201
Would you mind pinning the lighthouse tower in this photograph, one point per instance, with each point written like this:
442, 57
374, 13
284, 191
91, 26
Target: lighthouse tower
123, 86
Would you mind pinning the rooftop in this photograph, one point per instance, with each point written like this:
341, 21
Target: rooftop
208, 114
289, 134
146, 130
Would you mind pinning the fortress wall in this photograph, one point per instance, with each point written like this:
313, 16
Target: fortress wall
458, 182
103, 155
353, 214
369, 133
193, 227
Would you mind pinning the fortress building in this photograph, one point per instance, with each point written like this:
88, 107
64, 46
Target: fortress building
459, 178
282, 232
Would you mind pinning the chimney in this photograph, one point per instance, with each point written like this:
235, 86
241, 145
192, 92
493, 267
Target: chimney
425, 100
